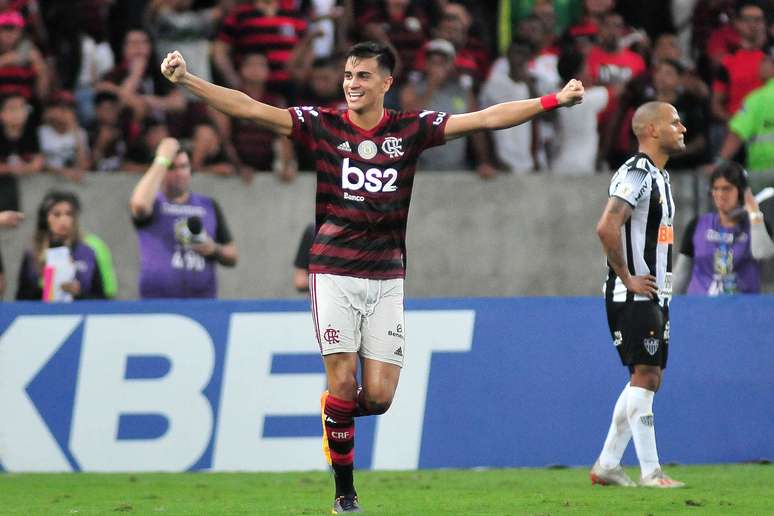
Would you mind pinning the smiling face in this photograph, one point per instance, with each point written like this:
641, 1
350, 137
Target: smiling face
365, 84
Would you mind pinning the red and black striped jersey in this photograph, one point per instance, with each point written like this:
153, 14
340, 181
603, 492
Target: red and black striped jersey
364, 183
249, 31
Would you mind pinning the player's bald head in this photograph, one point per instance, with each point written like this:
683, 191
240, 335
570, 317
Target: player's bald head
649, 113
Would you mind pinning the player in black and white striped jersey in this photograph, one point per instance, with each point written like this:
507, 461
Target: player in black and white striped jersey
637, 236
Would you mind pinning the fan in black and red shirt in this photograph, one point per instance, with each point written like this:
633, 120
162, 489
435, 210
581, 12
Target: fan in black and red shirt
366, 158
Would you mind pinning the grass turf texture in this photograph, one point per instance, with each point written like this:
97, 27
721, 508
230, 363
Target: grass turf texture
725, 489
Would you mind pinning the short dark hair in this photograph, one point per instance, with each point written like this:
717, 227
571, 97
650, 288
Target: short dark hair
13, 95
735, 174
105, 96
384, 55
677, 65
749, 3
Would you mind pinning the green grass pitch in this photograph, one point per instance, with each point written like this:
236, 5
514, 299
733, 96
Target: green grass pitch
723, 489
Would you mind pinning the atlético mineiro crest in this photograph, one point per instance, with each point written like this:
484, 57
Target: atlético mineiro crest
331, 335
651, 345
393, 146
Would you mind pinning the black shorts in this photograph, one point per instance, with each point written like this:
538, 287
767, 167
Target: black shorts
640, 331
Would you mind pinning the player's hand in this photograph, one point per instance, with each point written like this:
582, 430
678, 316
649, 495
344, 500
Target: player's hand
168, 148
644, 285
72, 287
750, 203
571, 94
206, 248
173, 66
10, 219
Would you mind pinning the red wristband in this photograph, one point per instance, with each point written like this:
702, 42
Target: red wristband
549, 102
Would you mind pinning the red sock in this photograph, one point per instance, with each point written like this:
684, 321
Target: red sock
340, 431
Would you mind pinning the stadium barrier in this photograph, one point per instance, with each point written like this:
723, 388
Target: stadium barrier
207, 385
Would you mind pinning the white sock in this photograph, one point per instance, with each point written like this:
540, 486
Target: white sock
618, 435
639, 411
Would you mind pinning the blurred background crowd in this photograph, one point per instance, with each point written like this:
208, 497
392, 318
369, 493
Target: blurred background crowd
81, 92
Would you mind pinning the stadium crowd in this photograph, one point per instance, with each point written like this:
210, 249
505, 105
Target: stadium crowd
81, 90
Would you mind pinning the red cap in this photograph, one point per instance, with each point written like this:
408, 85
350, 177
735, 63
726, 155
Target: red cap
12, 19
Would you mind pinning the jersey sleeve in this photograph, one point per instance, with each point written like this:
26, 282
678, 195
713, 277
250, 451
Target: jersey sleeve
306, 124
222, 233
432, 125
630, 185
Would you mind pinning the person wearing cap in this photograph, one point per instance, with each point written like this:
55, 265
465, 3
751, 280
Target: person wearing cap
22, 67
63, 142
441, 89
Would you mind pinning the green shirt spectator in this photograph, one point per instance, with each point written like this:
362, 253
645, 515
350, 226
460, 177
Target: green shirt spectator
566, 12
754, 124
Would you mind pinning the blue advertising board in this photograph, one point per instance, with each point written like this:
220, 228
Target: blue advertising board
492, 382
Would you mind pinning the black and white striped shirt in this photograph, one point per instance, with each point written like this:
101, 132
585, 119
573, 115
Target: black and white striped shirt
648, 235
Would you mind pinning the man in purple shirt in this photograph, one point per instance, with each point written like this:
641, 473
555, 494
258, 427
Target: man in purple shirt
182, 234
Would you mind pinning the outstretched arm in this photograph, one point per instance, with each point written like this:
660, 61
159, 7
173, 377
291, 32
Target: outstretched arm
509, 114
231, 102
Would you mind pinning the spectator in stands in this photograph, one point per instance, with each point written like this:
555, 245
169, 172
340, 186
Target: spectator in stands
19, 149
262, 27
612, 66
542, 66
8, 219
578, 139
23, 70
594, 13
140, 154
138, 83
30, 12
513, 147
175, 25
716, 30
472, 57
739, 72
240, 145
106, 137
58, 226
754, 125
80, 50
63, 142
403, 24
722, 252
182, 234
663, 84
301, 262
440, 89
667, 46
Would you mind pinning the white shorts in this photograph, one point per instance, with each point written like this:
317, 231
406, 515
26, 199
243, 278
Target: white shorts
358, 315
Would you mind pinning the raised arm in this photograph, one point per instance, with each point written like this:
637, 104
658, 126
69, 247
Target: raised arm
144, 193
231, 102
509, 114
616, 213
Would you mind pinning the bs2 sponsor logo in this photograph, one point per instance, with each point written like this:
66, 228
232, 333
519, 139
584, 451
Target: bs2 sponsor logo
373, 179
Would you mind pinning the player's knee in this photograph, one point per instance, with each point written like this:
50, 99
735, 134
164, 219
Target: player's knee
647, 378
376, 407
342, 386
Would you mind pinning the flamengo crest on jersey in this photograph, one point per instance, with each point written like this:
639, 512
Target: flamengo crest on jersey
364, 184
648, 235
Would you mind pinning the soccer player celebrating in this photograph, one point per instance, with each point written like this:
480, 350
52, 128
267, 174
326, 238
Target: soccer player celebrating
366, 158
636, 234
